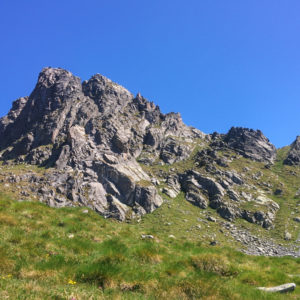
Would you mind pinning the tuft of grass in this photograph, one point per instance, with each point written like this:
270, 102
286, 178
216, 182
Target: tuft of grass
213, 263
6, 220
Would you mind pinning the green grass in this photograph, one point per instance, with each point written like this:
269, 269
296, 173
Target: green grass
48, 253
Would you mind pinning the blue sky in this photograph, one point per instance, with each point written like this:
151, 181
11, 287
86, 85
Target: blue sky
219, 63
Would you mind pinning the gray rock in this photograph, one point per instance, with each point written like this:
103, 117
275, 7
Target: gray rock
293, 157
233, 195
264, 218
173, 151
284, 288
211, 219
193, 178
199, 189
147, 236
195, 197
13, 114
250, 143
155, 181
207, 157
173, 182
287, 236
278, 192
297, 194
235, 178
169, 192
229, 212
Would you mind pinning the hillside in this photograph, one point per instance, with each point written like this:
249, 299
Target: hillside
148, 206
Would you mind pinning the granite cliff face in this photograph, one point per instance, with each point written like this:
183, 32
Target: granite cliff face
118, 154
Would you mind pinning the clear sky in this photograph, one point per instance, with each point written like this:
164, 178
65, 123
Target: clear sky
219, 63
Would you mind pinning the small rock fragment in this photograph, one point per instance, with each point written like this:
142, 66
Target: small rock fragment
147, 236
211, 219
287, 236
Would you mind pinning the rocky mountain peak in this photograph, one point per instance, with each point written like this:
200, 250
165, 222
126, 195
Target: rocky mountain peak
107, 95
53, 86
49, 76
293, 157
97, 130
118, 153
250, 143
98, 84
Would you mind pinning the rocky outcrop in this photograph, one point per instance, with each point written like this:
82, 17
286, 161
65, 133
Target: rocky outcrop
171, 140
219, 193
250, 143
293, 157
208, 157
173, 151
13, 114
203, 191
90, 134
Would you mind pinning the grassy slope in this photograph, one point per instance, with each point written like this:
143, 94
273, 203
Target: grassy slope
39, 258
108, 259
279, 176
